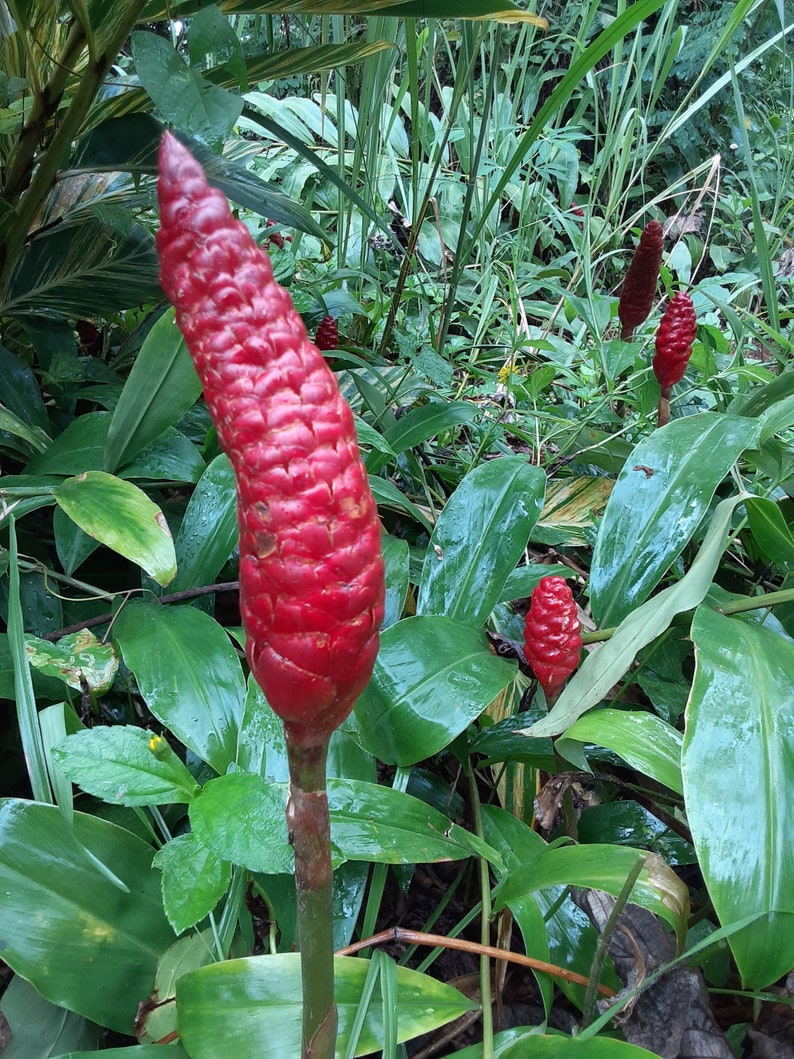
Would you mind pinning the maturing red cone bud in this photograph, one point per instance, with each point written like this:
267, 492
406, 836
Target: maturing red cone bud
311, 570
552, 634
639, 286
677, 331
327, 336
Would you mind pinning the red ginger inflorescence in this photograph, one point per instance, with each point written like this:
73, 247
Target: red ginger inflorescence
311, 569
677, 331
552, 634
327, 336
639, 286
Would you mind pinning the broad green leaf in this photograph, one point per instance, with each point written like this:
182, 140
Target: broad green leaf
121, 516
125, 765
605, 868
208, 532
644, 741
78, 659
189, 674
605, 666
38, 1028
182, 96
479, 538
22, 393
84, 270
90, 947
161, 387
71, 543
659, 499
194, 880
133, 1051
12, 424
523, 581
214, 43
374, 823
157, 1022
252, 1007
241, 818
432, 678
554, 1047
770, 531
738, 765
396, 558
388, 495
427, 420
503, 10
76, 449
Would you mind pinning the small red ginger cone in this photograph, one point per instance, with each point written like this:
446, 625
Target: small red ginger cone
327, 336
552, 635
639, 286
311, 570
677, 331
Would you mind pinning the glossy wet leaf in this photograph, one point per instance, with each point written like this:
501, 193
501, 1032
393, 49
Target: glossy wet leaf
396, 558
605, 666
208, 533
252, 1007
554, 1047
185, 955
161, 387
432, 678
194, 880
133, 1051
738, 765
241, 818
90, 947
189, 674
644, 741
605, 868
659, 499
479, 538
771, 533
125, 765
38, 1028
374, 823
121, 516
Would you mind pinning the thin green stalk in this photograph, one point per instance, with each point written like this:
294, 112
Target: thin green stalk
588, 1008
485, 924
309, 826
768, 599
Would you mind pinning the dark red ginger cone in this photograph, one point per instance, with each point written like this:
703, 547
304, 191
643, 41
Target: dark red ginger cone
639, 286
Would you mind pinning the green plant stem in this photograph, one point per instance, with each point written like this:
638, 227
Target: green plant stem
309, 827
485, 925
769, 599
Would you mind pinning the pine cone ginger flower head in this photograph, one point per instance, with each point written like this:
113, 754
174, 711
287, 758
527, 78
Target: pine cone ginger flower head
552, 634
311, 569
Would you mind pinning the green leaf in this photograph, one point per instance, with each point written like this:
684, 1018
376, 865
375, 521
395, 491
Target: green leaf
98, 953
605, 666
161, 387
374, 823
133, 1051
396, 556
121, 516
242, 819
194, 880
531, 1046
659, 499
738, 764
252, 1007
12, 424
38, 1028
72, 545
84, 270
770, 531
479, 538
208, 532
189, 674
432, 678
125, 765
605, 868
180, 94
388, 495
156, 1022
644, 741
425, 421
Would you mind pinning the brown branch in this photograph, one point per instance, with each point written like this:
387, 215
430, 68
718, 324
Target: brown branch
418, 937
174, 597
